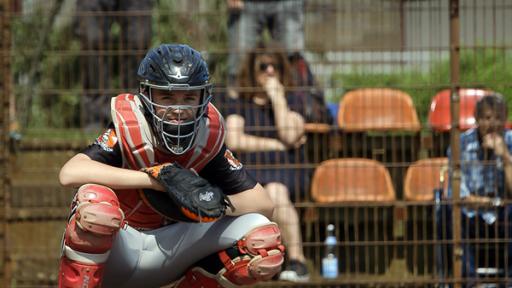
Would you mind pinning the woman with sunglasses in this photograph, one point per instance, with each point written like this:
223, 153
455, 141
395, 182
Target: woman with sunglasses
266, 128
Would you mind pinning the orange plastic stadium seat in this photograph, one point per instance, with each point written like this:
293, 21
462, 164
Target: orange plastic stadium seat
439, 114
377, 109
352, 180
423, 177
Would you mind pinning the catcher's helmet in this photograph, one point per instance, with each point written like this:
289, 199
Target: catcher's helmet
172, 67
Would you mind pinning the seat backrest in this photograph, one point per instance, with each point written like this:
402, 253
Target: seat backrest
423, 176
439, 117
377, 109
352, 180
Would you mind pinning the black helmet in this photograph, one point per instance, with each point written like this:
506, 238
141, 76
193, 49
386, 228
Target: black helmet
171, 67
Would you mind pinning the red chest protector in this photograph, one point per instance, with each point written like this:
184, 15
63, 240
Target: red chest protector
138, 148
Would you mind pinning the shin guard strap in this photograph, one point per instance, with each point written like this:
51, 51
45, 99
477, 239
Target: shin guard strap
74, 274
248, 270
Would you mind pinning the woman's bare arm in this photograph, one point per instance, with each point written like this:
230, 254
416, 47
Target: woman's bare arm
238, 140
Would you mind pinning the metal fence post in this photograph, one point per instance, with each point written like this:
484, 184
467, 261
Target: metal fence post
5, 92
455, 138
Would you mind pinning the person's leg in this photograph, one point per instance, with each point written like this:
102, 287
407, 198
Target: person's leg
94, 36
158, 257
257, 256
468, 226
136, 33
244, 30
95, 219
507, 230
289, 24
234, 19
286, 216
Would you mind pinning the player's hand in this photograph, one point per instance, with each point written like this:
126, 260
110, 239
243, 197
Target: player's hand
192, 198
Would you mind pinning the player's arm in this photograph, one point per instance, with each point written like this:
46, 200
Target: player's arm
255, 200
81, 169
244, 192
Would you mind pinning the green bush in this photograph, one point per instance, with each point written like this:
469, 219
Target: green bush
479, 68
46, 63
48, 83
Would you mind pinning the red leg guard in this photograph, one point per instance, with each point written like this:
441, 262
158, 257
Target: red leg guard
98, 210
198, 278
261, 256
77, 275
95, 219
261, 259
246, 270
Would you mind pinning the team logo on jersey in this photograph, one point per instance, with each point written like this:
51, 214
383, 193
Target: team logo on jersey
233, 162
107, 140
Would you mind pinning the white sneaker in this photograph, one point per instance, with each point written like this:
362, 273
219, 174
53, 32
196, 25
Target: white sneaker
295, 272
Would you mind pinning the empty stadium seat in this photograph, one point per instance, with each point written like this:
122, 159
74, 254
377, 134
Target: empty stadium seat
439, 117
377, 109
362, 192
422, 177
352, 180
366, 118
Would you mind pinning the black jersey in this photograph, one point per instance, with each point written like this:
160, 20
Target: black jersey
224, 170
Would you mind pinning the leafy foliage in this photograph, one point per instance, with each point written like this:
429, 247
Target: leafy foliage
205, 30
46, 65
479, 68
48, 84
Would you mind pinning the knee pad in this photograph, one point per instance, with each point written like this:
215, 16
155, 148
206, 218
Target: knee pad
258, 256
261, 257
98, 210
95, 219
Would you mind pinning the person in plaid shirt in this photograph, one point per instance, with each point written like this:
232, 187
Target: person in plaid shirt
486, 179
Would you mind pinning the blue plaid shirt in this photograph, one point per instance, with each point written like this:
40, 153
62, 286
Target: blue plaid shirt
477, 178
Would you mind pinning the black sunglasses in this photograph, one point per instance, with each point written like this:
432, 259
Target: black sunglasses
264, 66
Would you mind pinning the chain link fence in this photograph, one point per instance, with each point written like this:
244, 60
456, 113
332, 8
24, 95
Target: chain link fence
378, 171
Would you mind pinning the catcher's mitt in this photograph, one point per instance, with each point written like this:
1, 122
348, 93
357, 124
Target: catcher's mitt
189, 197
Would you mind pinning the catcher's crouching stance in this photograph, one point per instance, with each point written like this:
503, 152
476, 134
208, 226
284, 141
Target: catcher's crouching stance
250, 248
171, 204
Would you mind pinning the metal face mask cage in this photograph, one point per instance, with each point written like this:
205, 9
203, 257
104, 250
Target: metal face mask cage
176, 138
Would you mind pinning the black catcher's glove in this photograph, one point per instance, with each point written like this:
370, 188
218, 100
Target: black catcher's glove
189, 197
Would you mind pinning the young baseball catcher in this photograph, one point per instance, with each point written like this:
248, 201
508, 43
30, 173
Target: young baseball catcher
160, 198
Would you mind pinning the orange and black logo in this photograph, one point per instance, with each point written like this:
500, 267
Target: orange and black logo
107, 140
233, 162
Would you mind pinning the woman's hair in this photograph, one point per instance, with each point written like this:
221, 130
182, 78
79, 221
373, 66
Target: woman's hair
246, 77
495, 102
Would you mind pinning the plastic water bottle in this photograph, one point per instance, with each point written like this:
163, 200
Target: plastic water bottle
330, 261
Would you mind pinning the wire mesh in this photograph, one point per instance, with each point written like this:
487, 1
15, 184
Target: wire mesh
66, 62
